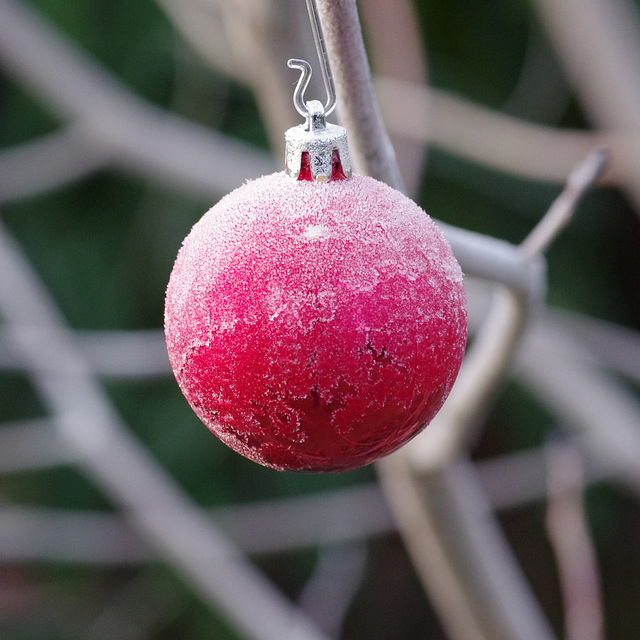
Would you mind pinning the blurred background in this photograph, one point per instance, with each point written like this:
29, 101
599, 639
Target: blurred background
121, 124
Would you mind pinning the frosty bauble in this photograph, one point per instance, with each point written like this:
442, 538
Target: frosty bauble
315, 326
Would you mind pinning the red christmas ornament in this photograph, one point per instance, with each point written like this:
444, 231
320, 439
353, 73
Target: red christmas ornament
315, 321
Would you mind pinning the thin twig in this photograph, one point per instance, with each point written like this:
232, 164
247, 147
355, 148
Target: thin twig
581, 179
569, 536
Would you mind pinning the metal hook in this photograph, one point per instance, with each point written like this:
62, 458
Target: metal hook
301, 85
305, 68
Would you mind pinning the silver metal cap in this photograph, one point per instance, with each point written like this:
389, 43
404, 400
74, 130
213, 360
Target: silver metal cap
325, 145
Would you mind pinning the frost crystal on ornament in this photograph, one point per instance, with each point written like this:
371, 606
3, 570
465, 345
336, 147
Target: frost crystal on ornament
315, 327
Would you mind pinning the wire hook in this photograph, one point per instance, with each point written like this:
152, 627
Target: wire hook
305, 68
301, 85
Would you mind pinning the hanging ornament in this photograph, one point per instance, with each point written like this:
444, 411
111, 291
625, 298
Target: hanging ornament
315, 320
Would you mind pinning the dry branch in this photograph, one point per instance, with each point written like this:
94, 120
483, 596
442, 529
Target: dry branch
87, 422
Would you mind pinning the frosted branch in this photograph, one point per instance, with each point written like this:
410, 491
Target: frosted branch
582, 178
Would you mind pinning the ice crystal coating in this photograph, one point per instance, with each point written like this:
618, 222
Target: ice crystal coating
315, 327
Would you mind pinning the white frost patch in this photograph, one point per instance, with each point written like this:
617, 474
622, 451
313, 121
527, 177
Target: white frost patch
317, 231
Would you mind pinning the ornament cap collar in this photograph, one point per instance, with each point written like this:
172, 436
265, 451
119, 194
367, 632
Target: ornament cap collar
317, 150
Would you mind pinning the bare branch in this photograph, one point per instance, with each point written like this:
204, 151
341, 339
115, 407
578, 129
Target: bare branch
582, 178
48, 163
123, 469
599, 43
474, 600
370, 147
487, 137
137, 135
492, 352
460, 553
30, 534
337, 517
570, 539
111, 354
31, 445
396, 49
